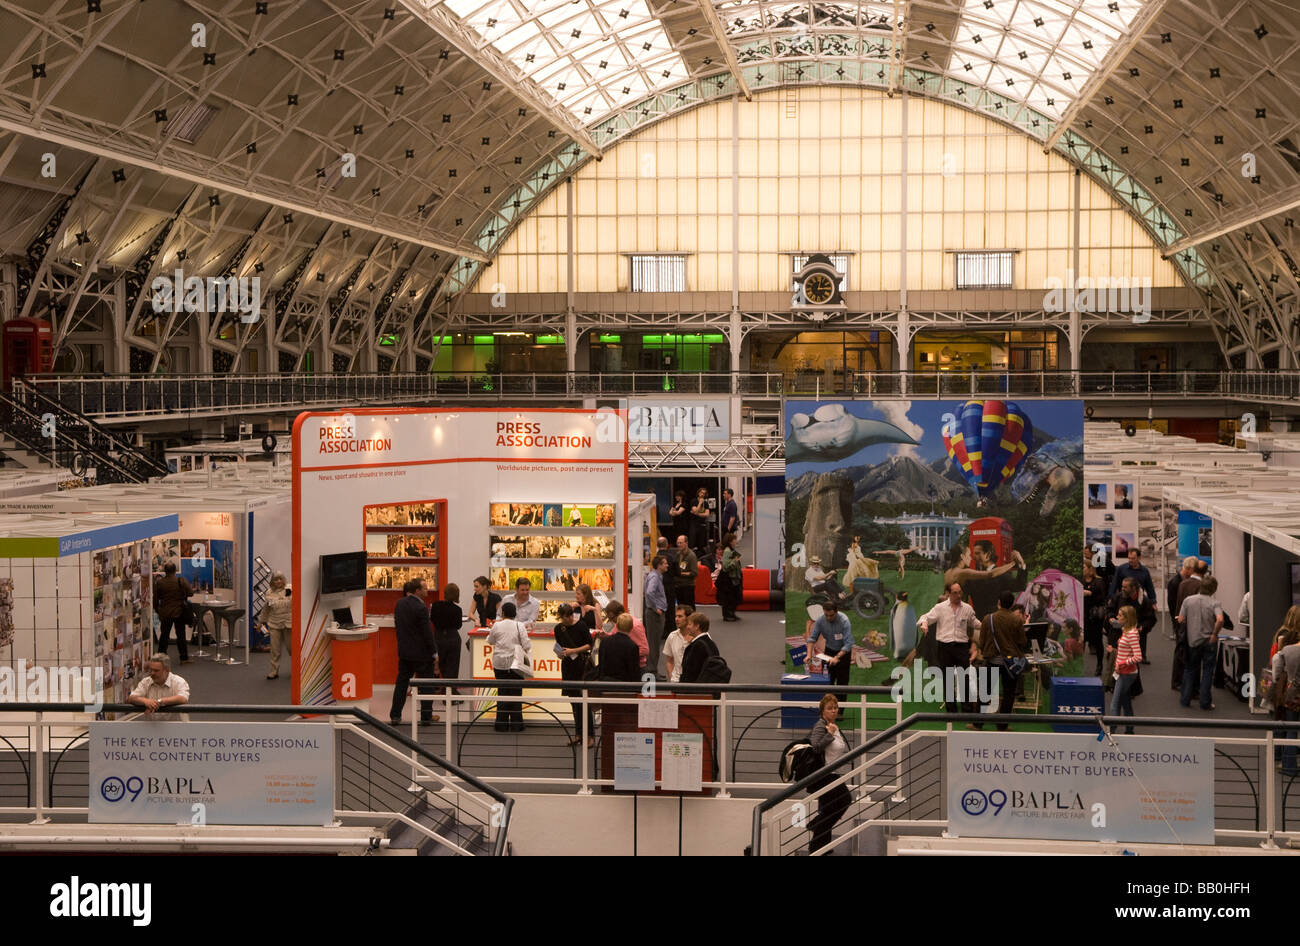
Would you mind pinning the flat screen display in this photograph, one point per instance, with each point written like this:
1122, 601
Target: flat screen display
343, 572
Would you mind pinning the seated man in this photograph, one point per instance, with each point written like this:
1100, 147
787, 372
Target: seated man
823, 582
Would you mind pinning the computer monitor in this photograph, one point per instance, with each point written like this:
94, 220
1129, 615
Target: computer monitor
343, 572
343, 617
1037, 631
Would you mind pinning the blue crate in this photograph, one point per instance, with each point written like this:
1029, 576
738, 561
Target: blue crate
1077, 696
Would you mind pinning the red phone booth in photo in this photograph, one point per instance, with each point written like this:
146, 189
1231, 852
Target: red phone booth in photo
28, 349
995, 530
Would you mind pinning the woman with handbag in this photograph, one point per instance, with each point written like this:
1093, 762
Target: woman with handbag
573, 647
828, 740
510, 649
1128, 656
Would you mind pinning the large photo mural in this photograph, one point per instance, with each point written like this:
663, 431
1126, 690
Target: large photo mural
889, 502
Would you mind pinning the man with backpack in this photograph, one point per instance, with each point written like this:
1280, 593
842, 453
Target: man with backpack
701, 662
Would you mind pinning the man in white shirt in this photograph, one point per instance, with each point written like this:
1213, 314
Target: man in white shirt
955, 623
675, 645
820, 581
526, 607
160, 687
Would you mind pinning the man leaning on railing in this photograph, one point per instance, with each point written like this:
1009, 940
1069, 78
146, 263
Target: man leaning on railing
160, 687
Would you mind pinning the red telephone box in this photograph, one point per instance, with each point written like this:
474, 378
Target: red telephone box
28, 349
996, 531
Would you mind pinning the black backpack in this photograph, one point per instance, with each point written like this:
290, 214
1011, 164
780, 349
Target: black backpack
799, 760
715, 670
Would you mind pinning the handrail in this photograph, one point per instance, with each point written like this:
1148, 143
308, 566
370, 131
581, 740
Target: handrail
93, 429
767, 804
406, 741
8, 403
622, 686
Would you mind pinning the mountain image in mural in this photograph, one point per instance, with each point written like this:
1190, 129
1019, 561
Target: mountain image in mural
899, 479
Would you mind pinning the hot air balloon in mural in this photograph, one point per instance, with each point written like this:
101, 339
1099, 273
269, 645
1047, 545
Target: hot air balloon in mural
987, 442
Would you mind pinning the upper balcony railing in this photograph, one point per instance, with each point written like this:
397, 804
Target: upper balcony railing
132, 398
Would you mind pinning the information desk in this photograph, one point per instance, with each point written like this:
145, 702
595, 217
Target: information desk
546, 666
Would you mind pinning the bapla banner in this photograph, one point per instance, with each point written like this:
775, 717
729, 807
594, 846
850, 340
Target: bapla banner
1075, 788
171, 772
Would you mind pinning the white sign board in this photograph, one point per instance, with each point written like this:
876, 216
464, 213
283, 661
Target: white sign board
634, 762
683, 759
678, 420
1073, 787
174, 772
656, 714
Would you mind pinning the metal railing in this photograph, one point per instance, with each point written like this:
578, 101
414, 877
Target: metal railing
385, 778
121, 398
746, 729
897, 779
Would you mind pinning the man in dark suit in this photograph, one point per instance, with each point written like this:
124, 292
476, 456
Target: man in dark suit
620, 658
699, 650
1171, 594
416, 648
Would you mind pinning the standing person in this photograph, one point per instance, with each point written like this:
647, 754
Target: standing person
1128, 655
1131, 593
836, 633
171, 595
701, 515
829, 742
416, 649
656, 611
954, 622
1202, 618
1171, 594
1192, 583
620, 655
613, 611
486, 602
446, 617
1094, 611
1002, 638
669, 552
1134, 568
1287, 661
277, 618
729, 579
700, 648
686, 573
675, 645
585, 608
526, 606
573, 647
730, 521
507, 638
679, 513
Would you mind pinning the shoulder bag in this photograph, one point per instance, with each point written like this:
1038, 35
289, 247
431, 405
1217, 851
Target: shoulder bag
1013, 667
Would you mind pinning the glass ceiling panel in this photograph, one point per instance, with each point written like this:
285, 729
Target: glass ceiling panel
594, 56
583, 53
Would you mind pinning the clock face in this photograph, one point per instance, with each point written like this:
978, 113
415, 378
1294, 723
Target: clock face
818, 288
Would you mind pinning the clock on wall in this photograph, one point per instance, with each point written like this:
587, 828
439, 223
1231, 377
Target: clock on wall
817, 285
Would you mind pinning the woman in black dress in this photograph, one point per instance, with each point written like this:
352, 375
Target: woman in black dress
573, 647
446, 617
681, 517
585, 607
486, 602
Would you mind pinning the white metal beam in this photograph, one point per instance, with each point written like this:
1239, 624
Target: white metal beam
1112, 60
495, 64
1252, 213
60, 133
720, 34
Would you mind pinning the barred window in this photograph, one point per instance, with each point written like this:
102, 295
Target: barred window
984, 270
660, 272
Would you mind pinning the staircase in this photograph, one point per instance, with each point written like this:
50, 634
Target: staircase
430, 814
39, 431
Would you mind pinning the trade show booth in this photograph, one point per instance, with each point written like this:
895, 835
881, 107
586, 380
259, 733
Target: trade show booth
381, 496
76, 592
